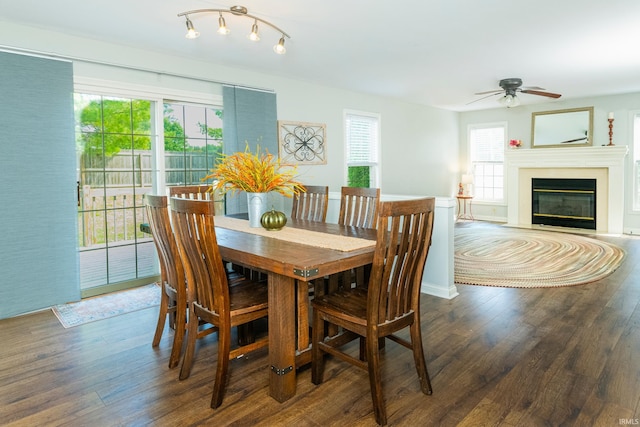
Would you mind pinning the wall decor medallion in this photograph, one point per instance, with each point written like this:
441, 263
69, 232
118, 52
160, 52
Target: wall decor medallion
303, 143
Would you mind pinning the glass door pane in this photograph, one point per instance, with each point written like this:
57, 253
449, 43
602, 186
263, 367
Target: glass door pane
192, 142
113, 146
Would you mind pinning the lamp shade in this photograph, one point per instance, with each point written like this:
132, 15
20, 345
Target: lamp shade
467, 179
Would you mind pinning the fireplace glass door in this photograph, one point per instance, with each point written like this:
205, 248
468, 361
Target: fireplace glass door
564, 202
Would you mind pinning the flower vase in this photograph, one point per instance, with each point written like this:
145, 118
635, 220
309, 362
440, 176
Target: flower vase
257, 203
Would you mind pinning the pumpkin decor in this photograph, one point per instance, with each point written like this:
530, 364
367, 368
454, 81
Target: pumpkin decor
273, 220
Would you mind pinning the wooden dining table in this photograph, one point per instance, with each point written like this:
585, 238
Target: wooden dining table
289, 267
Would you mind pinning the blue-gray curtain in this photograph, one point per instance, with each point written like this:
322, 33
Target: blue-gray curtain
250, 117
38, 250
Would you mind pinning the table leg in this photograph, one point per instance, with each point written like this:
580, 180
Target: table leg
282, 337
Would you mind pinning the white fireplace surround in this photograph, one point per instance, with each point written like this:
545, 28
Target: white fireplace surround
604, 163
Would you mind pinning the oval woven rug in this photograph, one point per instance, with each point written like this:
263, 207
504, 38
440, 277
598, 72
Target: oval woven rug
520, 258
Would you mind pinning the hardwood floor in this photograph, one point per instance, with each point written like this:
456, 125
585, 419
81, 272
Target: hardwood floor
496, 356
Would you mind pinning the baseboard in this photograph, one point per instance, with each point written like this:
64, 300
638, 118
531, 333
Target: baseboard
439, 291
490, 218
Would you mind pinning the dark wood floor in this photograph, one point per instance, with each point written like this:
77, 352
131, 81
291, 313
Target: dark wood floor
497, 356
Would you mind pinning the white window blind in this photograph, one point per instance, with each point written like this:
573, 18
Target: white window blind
362, 140
487, 144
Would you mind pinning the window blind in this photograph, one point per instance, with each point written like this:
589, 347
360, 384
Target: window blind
250, 116
362, 136
38, 250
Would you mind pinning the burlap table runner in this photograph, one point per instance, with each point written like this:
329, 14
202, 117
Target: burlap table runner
297, 235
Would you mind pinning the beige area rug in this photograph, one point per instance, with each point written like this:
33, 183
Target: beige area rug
519, 258
108, 305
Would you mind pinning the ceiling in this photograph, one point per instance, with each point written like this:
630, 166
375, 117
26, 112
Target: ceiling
436, 53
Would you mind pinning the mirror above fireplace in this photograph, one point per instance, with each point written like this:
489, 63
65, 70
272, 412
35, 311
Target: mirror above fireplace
562, 128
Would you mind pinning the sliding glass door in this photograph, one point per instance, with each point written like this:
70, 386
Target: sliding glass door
114, 138
120, 154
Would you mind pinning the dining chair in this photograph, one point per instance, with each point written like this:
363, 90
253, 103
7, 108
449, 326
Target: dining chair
390, 303
174, 288
211, 299
200, 192
359, 206
311, 204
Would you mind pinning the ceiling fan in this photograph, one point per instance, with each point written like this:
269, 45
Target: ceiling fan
510, 87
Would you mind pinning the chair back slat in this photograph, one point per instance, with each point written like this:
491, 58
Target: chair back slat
193, 221
359, 207
403, 239
312, 204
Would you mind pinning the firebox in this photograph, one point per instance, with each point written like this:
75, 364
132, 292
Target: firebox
565, 202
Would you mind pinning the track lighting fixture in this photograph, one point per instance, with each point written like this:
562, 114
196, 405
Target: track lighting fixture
192, 33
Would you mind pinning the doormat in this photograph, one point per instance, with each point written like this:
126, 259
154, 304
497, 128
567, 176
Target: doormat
106, 306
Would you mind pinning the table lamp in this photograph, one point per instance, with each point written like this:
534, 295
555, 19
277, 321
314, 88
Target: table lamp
467, 179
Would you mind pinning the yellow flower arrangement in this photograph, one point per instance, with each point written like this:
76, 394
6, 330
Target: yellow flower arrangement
254, 173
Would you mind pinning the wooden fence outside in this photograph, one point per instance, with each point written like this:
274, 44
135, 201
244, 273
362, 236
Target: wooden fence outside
111, 199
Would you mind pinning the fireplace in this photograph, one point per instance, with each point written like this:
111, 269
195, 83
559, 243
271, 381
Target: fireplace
604, 164
564, 202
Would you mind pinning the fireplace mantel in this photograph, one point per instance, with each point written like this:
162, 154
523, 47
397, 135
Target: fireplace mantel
610, 159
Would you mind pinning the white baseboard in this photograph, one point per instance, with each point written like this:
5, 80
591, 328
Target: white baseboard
439, 291
490, 218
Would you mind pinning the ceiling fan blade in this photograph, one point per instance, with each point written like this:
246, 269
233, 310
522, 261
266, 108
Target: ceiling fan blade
490, 91
484, 97
537, 92
533, 88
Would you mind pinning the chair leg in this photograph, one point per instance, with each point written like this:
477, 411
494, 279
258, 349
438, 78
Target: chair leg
375, 380
162, 317
224, 347
246, 334
418, 357
178, 334
192, 336
317, 356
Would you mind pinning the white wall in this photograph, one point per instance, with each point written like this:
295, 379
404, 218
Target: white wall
519, 127
419, 144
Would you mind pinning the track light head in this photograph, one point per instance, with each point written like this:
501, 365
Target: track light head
222, 26
279, 48
254, 37
191, 31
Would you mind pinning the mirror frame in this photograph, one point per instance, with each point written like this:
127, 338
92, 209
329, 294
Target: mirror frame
556, 117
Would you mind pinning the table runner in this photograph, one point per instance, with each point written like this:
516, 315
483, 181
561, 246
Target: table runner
297, 235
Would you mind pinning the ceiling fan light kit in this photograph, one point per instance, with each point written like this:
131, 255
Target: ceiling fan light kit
192, 33
510, 88
509, 100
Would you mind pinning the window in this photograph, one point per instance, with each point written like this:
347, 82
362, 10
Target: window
636, 161
192, 142
486, 146
362, 137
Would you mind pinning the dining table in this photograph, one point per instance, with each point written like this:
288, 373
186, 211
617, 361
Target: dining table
301, 252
